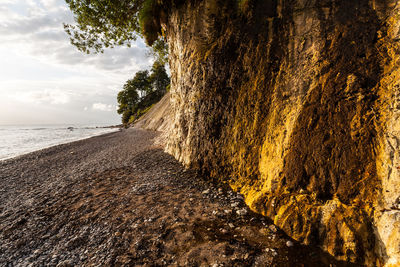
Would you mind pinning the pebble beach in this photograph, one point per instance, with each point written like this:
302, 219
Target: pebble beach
119, 200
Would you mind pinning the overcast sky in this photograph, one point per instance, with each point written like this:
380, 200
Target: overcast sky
45, 80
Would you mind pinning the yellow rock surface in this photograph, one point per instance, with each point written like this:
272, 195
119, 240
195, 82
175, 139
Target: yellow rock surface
297, 106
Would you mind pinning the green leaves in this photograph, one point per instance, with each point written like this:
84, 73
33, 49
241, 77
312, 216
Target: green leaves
159, 77
140, 83
108, 23
159, 50
103, 23
142, 91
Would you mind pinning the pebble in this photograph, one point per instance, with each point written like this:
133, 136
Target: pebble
205, 192
231, 225
241, 212
235, 204
289, 244
191, 199
83, 257
66, 263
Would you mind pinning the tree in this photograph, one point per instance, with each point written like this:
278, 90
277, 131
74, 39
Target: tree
141, 83
159, 78
109, 23
103, 23
159, 51
141, 92
127, 98
126, 115
133, 90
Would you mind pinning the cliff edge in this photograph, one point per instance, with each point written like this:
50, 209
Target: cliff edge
295, 104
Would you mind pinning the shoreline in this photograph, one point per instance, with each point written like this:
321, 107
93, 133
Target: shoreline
115, 129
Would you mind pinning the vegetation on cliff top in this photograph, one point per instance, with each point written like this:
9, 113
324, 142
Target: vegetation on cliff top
105, 24
141, 92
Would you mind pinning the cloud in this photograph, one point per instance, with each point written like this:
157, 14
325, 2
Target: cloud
38, 32
23, 25
42, 72
103, 107
51, 4
46, 96
50, 36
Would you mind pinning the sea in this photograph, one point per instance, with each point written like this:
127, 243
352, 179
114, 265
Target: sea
19, 140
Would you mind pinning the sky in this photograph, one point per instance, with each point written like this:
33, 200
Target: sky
46, 80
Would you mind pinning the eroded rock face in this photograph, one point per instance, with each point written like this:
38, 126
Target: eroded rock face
296, 104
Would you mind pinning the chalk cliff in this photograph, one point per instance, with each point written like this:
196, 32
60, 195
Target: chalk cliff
296, 104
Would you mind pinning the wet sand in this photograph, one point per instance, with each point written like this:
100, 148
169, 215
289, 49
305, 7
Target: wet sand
119, 200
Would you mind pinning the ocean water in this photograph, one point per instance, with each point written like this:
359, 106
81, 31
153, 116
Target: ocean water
18, 140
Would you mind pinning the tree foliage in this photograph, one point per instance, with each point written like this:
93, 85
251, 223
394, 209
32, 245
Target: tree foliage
108, 23
141, 83
159, 50
159, 78
127, 98
142, 91
103, 23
